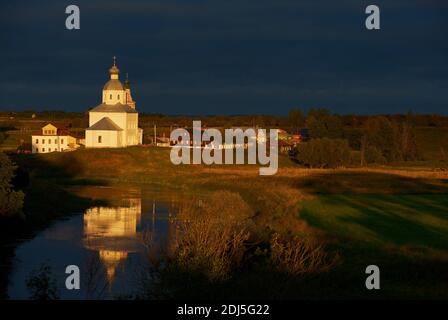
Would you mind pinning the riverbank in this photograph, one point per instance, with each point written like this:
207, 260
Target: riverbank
45, 202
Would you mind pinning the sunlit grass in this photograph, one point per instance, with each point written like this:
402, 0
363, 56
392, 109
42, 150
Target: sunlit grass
411, 220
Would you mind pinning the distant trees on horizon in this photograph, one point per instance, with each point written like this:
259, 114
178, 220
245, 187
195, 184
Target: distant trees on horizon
376, 139
296, 118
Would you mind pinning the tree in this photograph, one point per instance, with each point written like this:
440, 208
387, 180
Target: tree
323, 153
407, 141
322, 124
296, 119
394, 139
11, 202
382, 134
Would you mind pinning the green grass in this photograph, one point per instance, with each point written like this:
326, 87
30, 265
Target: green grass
401, 220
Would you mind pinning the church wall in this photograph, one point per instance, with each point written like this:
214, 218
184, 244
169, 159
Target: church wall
109, 139
140, 136
132, 129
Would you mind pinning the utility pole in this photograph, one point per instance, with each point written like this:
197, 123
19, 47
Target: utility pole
155, 135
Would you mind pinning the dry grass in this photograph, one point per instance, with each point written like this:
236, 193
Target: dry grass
300, 256
210, 237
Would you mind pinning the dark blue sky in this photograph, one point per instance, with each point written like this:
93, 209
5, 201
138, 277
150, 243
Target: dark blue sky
228, 56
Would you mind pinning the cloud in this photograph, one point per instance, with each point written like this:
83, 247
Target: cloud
246, 55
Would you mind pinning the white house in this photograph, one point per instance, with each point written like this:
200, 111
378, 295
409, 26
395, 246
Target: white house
53, 139
114, 123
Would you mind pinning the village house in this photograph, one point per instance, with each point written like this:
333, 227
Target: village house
287, 141
53, 138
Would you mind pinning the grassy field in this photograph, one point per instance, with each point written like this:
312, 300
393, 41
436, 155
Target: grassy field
394, 217
418, 221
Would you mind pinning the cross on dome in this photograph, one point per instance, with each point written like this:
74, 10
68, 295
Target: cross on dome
114, 71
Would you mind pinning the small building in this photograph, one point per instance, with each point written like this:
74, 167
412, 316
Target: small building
53, 138
288, 140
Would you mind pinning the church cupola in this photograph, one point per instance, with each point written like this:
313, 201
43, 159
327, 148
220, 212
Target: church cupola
114, 71
113, 91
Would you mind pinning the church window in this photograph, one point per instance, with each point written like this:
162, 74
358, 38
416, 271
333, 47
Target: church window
37, 149
49, 141
43, 149
55, 141
37, 141
118, 96
62, 141
49, 149
110, 97
99, 139
43, 141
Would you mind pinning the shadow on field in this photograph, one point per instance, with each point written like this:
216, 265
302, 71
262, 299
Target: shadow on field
52, 165
47, 195
411, 220
368, 183
378, 207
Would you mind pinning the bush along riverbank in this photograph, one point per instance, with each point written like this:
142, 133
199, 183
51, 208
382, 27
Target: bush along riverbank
29, 204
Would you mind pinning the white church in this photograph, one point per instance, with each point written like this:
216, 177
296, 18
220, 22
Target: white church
114, 123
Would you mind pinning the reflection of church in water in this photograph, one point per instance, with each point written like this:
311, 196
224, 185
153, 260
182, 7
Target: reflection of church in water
112, 231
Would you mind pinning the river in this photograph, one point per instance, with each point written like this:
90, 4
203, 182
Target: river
109, 243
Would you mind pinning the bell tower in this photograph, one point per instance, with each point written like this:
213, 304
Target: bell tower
127, 88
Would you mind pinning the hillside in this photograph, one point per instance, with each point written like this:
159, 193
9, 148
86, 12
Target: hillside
395, 217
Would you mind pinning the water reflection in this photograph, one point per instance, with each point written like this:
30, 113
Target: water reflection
105, 242
113, 233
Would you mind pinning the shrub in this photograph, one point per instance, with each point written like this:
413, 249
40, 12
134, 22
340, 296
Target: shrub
299, 256
374, 155
11, 202
41, 284
210, 236
324, 153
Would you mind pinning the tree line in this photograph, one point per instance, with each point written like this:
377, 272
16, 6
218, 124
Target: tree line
337, 141
295, 118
